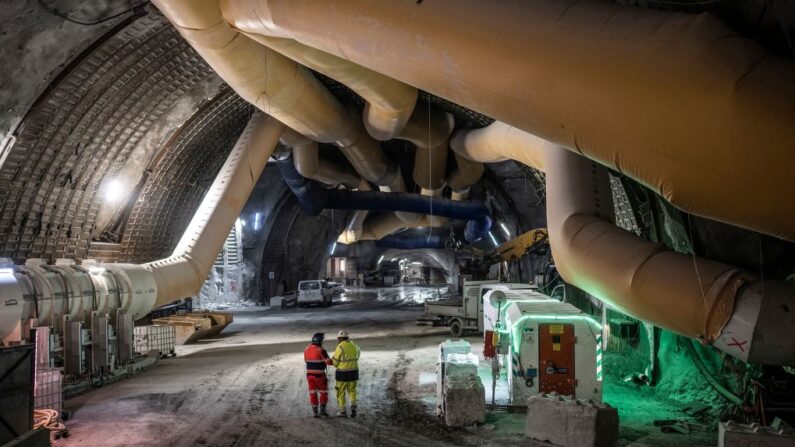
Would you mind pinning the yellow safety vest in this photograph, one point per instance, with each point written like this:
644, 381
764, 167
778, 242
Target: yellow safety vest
346, 356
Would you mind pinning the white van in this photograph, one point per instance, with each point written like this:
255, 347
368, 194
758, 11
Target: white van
313, 292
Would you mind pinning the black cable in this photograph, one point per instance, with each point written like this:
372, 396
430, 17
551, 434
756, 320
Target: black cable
57, 13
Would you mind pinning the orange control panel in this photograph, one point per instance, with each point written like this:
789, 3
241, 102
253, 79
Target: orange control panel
556, 358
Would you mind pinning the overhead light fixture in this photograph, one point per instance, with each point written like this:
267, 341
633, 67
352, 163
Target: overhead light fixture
256, 220
333, 247
114, 191
505, 230
493, 239
380, 259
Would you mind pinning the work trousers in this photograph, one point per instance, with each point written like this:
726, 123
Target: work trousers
318, 389
345, 387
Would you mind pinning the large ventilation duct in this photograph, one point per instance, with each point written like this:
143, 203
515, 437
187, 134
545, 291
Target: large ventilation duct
353, 231
314, 200
308, 163
379, 226
466, 174
280, 87
388, 102
499, 142
183, 274
49, 294
686, 294
676, 101
429, 130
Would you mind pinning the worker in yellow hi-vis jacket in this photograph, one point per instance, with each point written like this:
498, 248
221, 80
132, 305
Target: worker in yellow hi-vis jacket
346, 359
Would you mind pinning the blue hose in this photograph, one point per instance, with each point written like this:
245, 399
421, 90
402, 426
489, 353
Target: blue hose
314, 200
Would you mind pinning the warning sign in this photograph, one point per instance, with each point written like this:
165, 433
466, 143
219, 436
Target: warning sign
555, 328
556, 346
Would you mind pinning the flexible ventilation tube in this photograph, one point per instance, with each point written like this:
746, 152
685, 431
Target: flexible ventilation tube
466, 174
353, 231
433, 241
280, 87
429, 130
388, 103
183, 274
310, 165
689, 295
314, 200
675, 101
499, 142
379, 226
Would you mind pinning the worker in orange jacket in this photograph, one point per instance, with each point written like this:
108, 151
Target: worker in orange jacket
316, 359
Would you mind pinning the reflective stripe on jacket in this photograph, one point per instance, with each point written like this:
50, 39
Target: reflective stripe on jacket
316, 359
346, 359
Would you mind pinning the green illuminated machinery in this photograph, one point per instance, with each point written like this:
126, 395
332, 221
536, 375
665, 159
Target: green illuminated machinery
551, 347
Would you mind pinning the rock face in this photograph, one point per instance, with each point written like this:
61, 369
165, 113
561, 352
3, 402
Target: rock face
571, 422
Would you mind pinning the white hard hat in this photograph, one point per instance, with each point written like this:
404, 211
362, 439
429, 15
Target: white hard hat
342, 333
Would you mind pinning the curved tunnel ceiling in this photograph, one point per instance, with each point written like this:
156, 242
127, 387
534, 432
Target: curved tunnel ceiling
127, 98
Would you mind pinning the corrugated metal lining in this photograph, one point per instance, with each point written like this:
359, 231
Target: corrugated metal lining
181, 178
83, 130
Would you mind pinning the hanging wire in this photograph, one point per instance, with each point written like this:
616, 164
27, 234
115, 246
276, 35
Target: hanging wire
695, 261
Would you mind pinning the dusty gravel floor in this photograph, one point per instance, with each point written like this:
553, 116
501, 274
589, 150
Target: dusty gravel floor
248, 388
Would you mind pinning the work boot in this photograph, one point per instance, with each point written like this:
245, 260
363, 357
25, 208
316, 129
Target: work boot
341, 414
323, 410
314, 412
353, 411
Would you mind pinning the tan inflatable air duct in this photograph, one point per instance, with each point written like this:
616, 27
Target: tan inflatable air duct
280, 87
429, 130
466, 174
499, 142
308, 163
183, 273
686, 294
388, 103
676, 101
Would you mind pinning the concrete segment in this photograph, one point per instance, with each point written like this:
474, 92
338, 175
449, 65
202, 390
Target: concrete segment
571, 422
464, 402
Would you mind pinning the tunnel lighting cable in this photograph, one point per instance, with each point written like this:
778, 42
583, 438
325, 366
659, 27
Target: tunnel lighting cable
55, 12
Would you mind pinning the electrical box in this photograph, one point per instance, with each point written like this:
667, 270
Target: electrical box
552, 347
495, 299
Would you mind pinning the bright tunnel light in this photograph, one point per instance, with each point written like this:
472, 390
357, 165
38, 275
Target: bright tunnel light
505, 230
114, 191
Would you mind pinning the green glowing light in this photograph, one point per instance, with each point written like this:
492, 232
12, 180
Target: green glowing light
516, 333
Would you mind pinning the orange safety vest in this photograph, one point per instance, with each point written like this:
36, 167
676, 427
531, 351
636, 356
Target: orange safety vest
316, 359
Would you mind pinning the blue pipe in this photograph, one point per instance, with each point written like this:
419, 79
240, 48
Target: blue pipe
314, 200
410, 242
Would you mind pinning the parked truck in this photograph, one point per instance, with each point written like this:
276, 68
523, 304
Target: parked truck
465, 312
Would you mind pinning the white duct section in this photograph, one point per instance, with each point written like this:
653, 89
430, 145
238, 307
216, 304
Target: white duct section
182, 274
